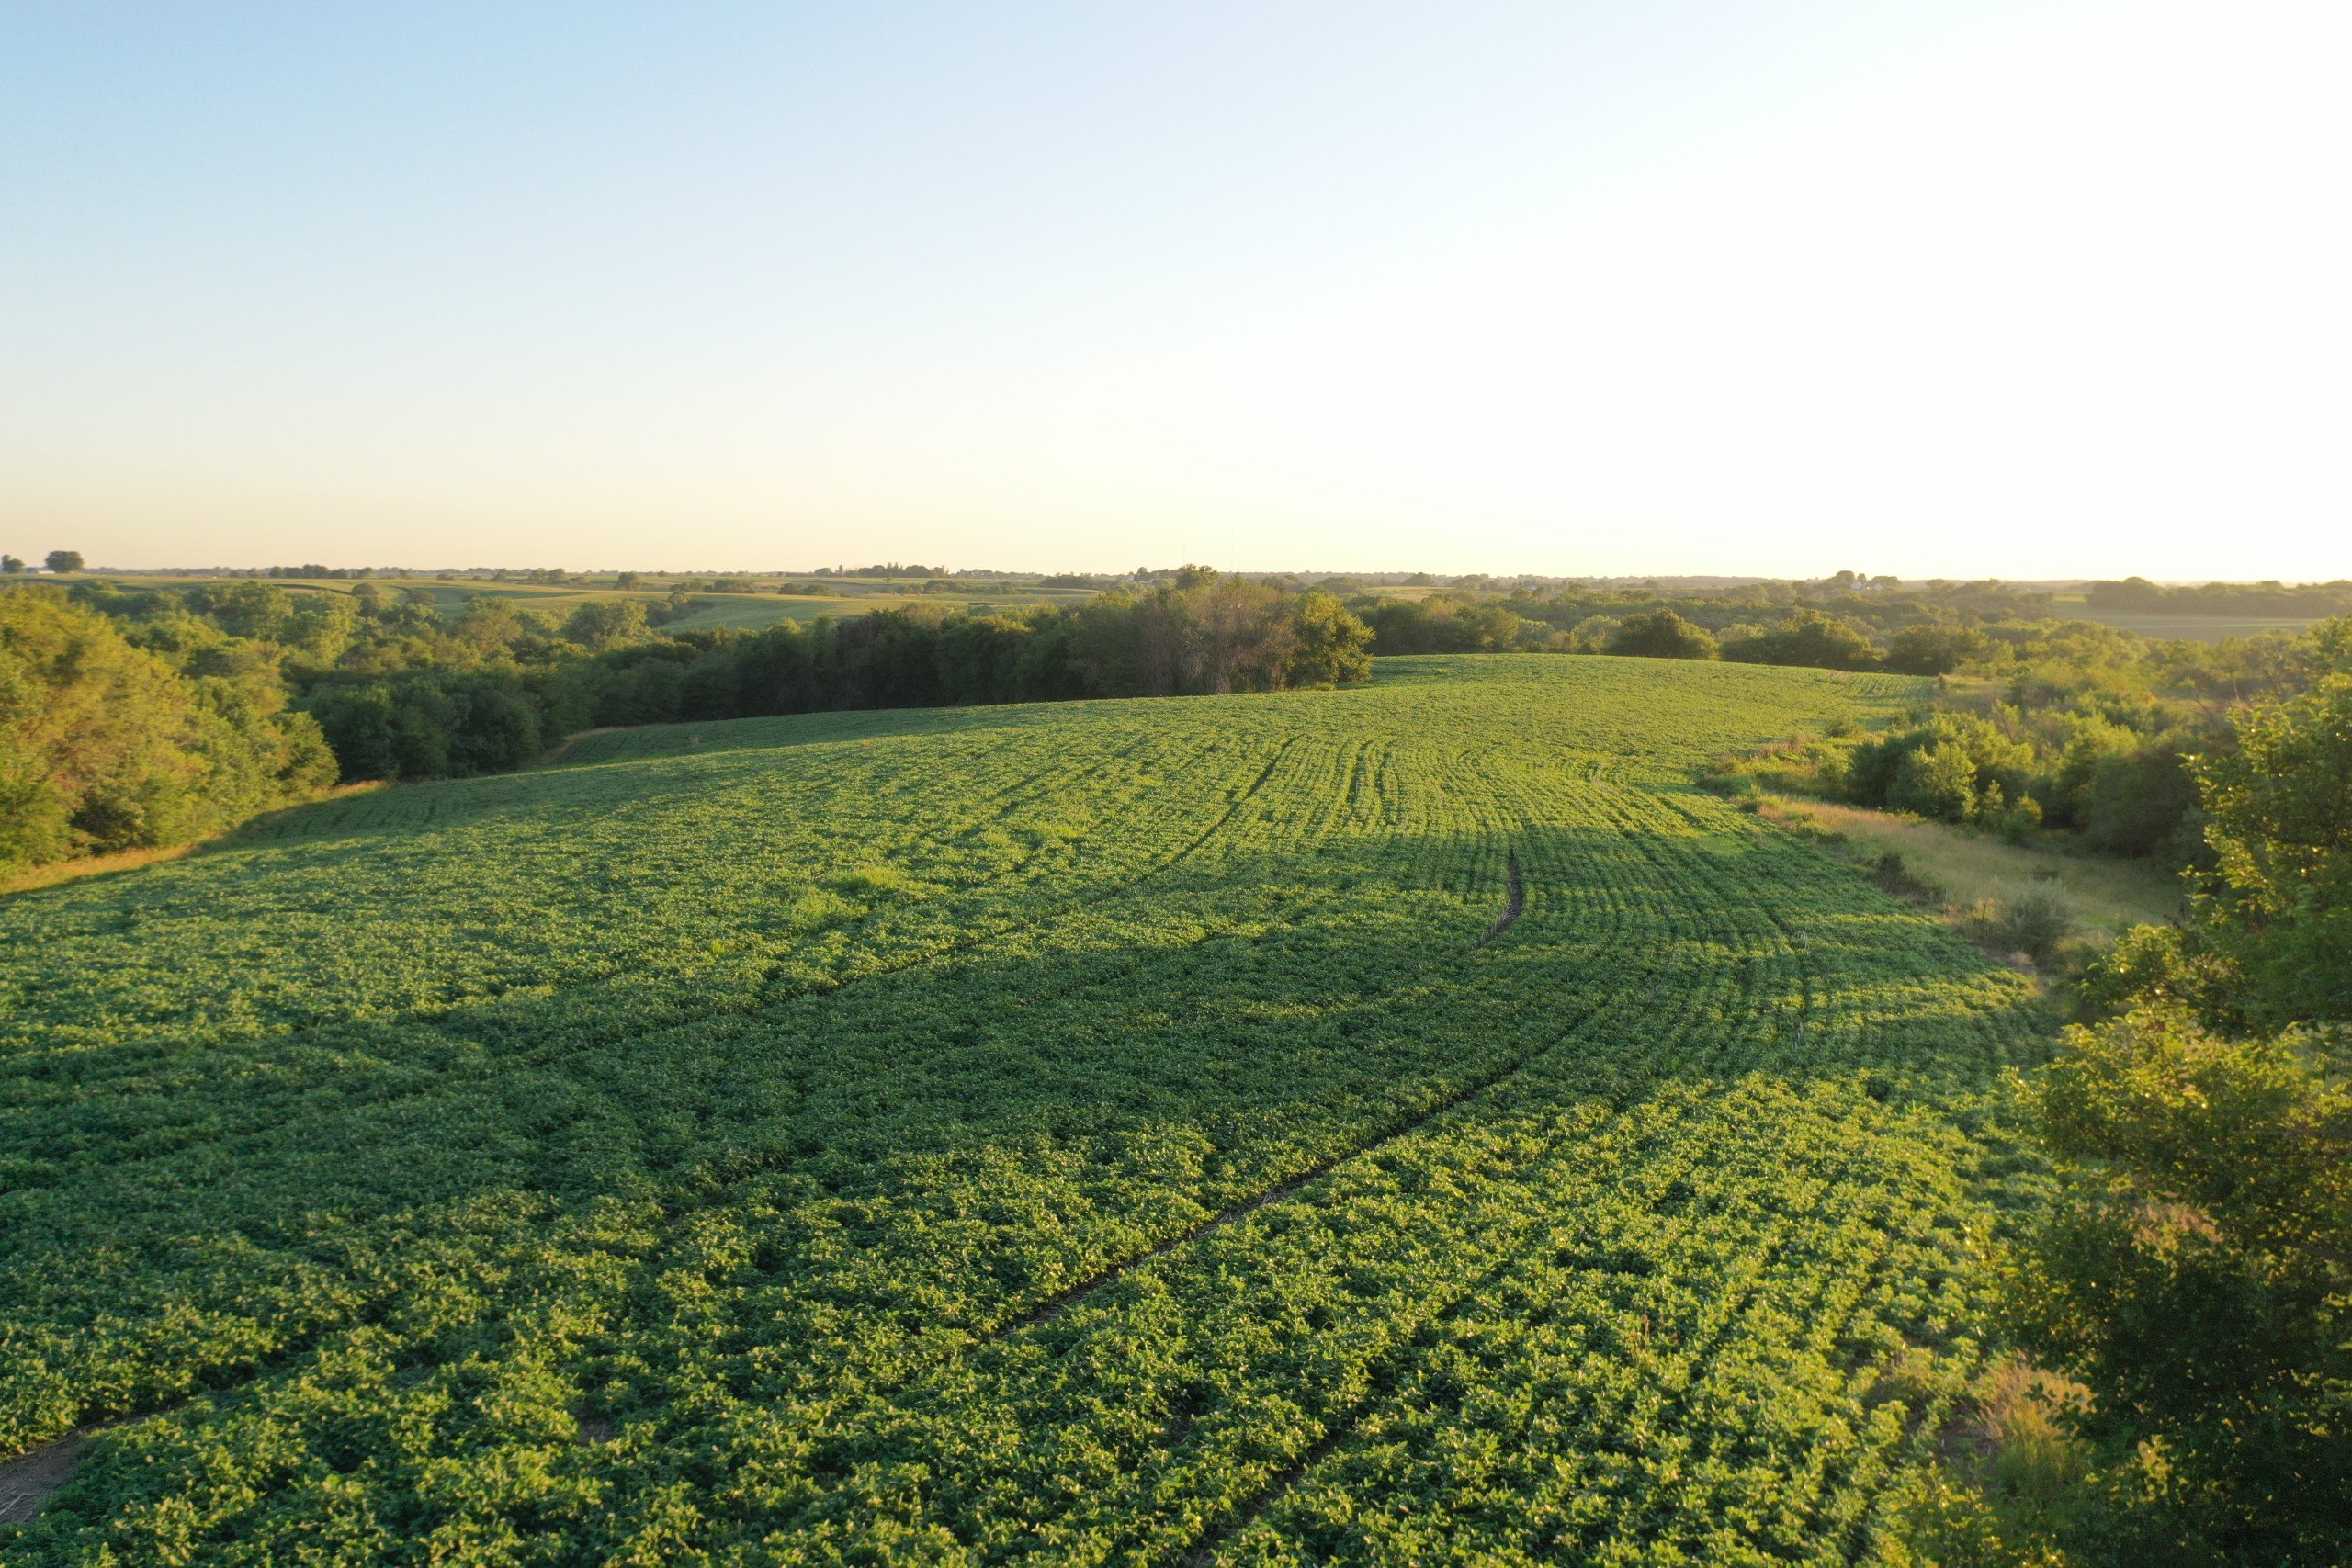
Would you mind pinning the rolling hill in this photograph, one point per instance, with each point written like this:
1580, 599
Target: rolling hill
1316, 1126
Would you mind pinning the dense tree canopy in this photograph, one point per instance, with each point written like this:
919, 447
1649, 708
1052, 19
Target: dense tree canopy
403, 690
2196, 1277
2281, 828
105, 746
1806, 636
1662, 634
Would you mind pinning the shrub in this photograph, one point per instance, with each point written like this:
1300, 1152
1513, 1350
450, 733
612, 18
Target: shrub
2034, 923
1941, 767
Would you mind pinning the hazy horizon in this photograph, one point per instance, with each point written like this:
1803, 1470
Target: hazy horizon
853, 569
1962, 289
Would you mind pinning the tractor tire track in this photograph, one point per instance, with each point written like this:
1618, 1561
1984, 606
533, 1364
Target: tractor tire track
1513, 904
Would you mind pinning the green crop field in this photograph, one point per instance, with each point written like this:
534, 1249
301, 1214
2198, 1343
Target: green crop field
1110, 1133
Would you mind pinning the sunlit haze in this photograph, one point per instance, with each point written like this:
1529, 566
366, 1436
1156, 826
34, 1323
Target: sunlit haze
1960, 289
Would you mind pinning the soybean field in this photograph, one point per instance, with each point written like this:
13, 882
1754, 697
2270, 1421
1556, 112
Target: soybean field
1400, 1124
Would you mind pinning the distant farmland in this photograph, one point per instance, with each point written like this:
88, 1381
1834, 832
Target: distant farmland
2189, 628
1396, 1122
771, 600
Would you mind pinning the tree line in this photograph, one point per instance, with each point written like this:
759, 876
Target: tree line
1208, 635
2137, 593
138, 717
2071, 728
1929, 633
61, 563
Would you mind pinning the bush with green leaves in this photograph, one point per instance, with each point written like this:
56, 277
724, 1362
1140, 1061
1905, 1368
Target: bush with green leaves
1949, 767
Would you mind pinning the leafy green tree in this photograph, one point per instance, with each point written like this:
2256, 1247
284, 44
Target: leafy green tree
1591, 634
2130, 792
431, 724
1442, 623
2195, 1277
1950, 767
1807, 638
491, 626
1326, 643
1938, 781
2281, 828
1936, 649
1661, 634
99, 736
62, 562
1227, 634
10, 566
105, 746
601, 623
34, 811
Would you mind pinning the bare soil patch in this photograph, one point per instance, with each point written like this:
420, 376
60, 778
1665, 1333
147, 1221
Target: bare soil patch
26, 1481
1514, 903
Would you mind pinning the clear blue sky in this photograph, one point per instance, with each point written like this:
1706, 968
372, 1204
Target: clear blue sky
1933, 287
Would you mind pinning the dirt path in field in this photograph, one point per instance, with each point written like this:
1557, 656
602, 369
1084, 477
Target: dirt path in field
26, 1481
1513, 904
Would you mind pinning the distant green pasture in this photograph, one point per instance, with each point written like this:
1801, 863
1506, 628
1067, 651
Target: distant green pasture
2186, 628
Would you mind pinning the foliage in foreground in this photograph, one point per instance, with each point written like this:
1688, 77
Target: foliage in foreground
2192, 1285
2194, 1280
